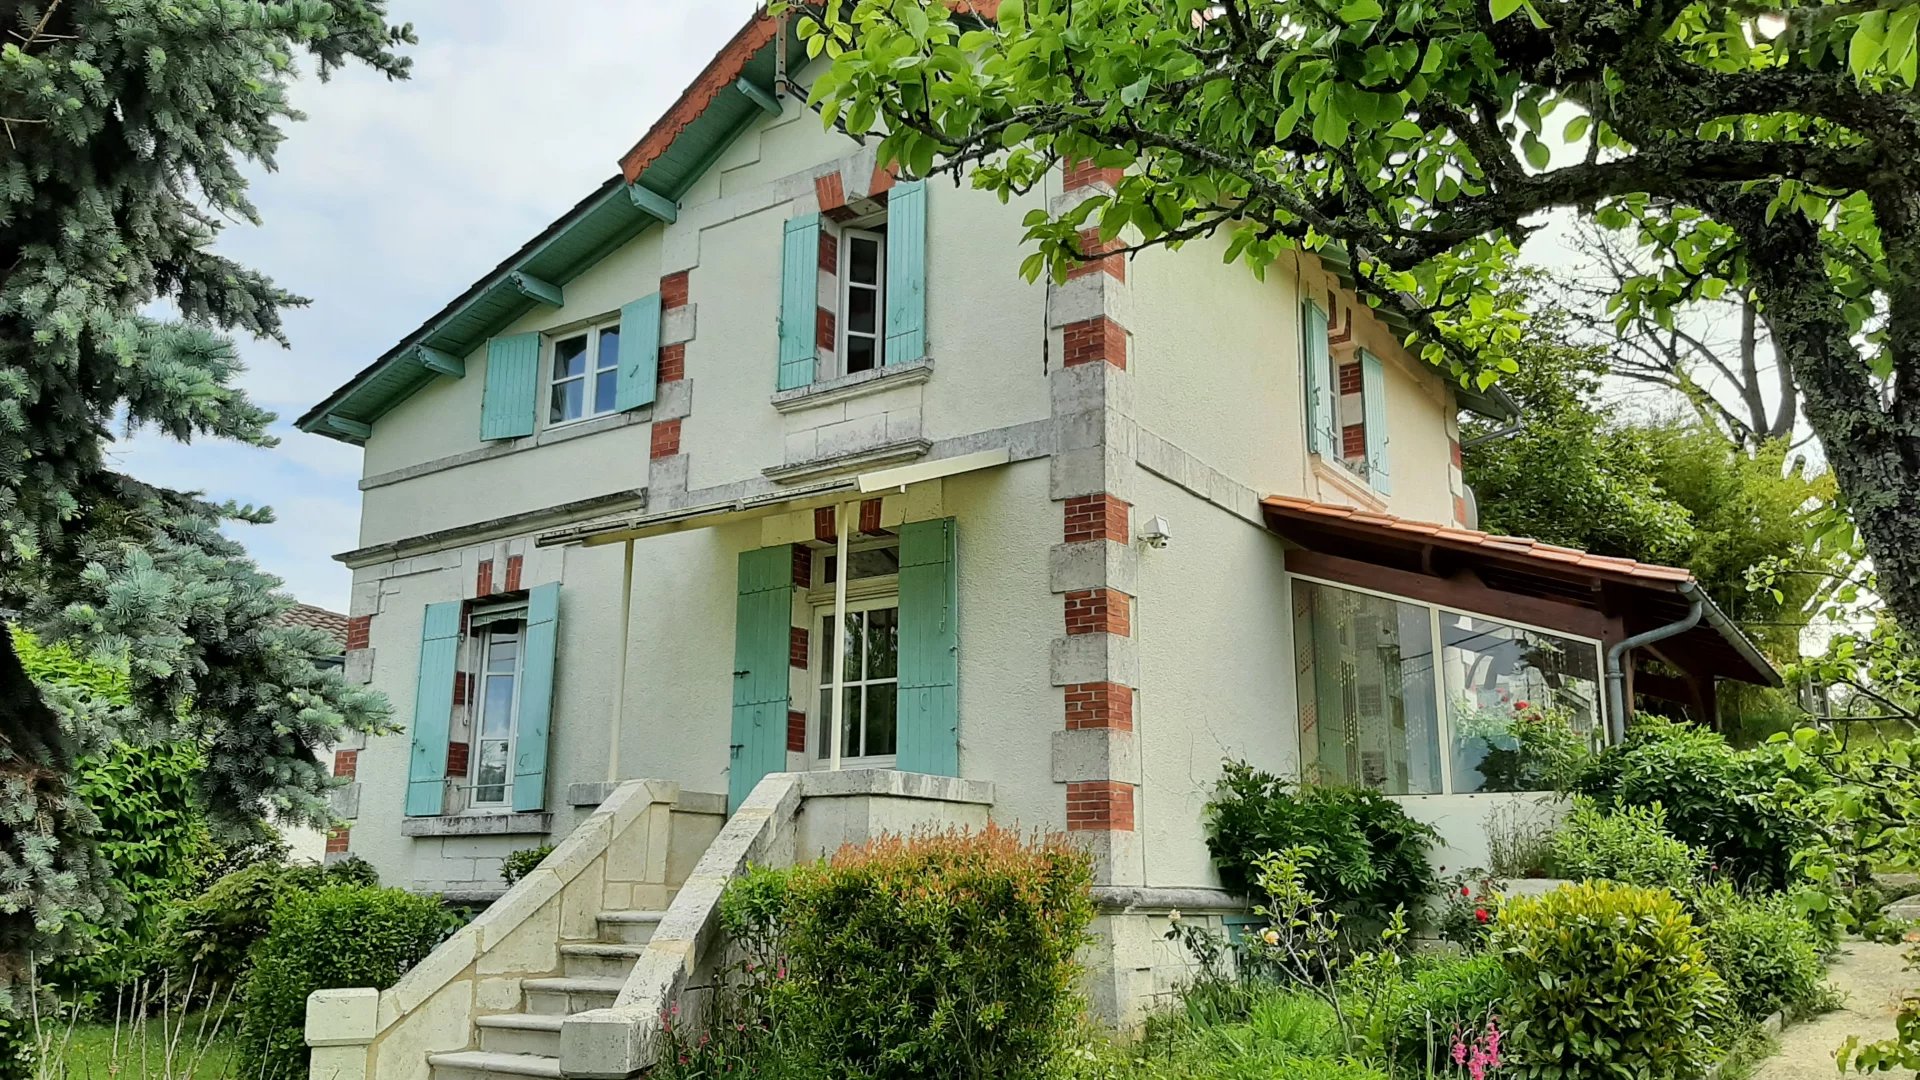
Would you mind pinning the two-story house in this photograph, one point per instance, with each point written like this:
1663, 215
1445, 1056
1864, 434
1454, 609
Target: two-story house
763, 459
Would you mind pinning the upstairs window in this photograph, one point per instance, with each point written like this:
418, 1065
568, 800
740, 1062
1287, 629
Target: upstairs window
586, 371
863, 285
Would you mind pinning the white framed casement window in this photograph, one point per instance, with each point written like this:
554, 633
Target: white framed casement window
861, 341
868, 681
584, 367
500, 641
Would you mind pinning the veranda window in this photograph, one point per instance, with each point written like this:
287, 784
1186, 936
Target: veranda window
868, 680
1374, 711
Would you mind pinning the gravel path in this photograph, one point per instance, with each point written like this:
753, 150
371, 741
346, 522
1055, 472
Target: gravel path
1873, 977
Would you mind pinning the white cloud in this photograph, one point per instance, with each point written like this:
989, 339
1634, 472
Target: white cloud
391, 198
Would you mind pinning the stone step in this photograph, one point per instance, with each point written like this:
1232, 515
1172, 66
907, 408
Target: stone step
629, 927
520, 1033
565, 995
481, 1065
599, 959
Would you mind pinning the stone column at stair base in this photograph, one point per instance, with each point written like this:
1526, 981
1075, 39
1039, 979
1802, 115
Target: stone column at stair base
341, 1025
1132, 969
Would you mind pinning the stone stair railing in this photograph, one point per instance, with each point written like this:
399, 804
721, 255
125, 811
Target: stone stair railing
492, 999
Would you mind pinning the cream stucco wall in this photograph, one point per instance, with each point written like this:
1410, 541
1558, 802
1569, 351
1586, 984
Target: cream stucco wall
1216, 365
1216, 672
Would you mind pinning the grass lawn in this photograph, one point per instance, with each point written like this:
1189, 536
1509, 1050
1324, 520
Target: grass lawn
202, 1048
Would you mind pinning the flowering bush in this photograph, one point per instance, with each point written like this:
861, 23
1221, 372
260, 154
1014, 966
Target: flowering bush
947, 956
1468, 901
1629, 844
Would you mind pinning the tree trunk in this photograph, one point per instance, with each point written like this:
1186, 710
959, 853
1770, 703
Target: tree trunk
1872, 456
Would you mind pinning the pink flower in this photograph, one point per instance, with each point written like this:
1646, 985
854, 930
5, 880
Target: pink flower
1459, 1052
782, 973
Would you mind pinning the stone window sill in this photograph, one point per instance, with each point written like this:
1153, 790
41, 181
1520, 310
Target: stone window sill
534, 824
857, 385
1351, 485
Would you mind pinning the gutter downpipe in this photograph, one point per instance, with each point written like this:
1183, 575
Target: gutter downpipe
1616, 671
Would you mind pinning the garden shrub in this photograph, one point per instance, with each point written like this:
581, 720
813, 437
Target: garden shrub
523, 862
1628, 844
1442, 1000
1763, 948
338, 936
1606, 980
1369, 856
945, 955
212, 935
1714, 796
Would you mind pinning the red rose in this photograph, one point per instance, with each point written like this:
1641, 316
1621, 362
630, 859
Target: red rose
1480, 915
1522, 705
1464, 891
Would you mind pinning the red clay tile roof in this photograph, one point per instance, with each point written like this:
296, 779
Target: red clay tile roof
331, 623
1467, 539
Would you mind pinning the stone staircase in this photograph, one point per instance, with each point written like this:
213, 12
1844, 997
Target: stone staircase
527, 1043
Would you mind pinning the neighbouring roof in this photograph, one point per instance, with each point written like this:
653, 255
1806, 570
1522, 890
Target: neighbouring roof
1642, 595
331, 623
721, 102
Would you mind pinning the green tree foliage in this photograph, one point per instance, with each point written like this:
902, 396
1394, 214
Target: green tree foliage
127, 124
1419, 137
1569, 475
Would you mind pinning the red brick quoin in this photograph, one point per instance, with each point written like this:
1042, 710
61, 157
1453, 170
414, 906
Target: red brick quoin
514, 563
483, 578
1083, 173
1099, 611
359, 632
1093, 341
796, 732
1096, 257
1100, 804
1097, 517
673, 362
797, 646
1099, 705
337, 840
346, 763
674, 291
666, 438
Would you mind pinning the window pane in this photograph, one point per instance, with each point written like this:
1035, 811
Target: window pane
861, 311
874, 562
864, 264
862, 354
882, 718
609, 348
567, 400
496, 715
570, 357
502, 652
490, 775
1367, 713
851, 668
1513, 694
823, 725
883, 643
605, 386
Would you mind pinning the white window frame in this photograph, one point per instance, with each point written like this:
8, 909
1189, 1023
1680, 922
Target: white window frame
843, 324
1444, 728
484, 639
589, 378
862, 594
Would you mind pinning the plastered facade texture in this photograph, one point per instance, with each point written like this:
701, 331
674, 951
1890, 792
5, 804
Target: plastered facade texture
1165, 386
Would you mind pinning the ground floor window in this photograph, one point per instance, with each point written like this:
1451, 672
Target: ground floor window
868, 681
496, 713
1375, 709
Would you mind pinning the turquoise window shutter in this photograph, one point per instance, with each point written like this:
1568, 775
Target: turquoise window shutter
929, 733
433, 710
799, 300
639, 353
1373, 397
513, 387
536, 698
760, 693
1314, 358
906, 272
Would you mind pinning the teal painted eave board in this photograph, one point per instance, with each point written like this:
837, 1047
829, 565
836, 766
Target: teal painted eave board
535, 276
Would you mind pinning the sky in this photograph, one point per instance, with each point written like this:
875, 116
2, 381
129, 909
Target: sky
391, 198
